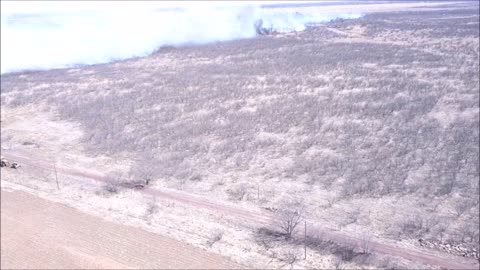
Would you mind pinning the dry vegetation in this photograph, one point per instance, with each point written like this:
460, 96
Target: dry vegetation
373, 122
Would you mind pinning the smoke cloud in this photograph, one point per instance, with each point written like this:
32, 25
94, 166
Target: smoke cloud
46, 40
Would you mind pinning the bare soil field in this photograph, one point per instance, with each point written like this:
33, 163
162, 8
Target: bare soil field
371, 126
37, 233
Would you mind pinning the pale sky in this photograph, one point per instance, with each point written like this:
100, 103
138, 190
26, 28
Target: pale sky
8, 7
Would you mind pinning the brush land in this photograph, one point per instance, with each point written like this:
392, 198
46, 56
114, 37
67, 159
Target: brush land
368, 127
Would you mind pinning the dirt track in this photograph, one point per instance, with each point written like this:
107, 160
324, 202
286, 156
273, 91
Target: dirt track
263, 217
36, 232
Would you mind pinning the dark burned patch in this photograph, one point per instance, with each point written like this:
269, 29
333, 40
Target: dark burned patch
30, 144
437, 23
165, 49
346, 54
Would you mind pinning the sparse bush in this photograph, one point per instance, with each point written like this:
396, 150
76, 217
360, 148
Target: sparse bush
331, 200
345, 253
118, 180
288, 257
196, 177
111, 188
266, 234
214, 237
152, 208
350, 217
413, 226
265, 237
462, 205
238, 192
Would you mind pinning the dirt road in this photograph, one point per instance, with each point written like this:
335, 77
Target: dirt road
264, 217
44, 234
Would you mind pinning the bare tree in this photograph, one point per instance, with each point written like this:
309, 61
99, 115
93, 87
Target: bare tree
145, 170
469, 233
56, 176
338, 263
365, 243
331, 201
461, 206
289, 215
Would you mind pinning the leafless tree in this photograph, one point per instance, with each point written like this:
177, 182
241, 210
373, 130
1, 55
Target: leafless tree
289, 214
338, 263
469, 233
365, 243
56, 175
440, 230
145, 169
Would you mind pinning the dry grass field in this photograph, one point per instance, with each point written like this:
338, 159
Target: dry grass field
371, 125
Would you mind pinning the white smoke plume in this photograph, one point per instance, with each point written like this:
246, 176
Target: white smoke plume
55, 38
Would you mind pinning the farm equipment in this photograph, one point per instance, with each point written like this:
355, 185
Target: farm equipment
5, 163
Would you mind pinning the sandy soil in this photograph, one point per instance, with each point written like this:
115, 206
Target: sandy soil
44, 234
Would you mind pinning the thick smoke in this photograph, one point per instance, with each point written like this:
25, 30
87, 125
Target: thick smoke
55, 40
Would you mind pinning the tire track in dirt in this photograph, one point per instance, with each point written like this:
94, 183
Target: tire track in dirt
263, 218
